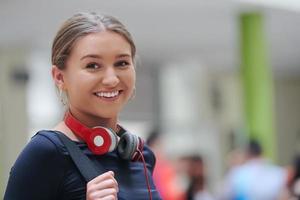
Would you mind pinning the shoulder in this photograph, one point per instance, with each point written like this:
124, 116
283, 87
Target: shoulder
40, 162
46, 142
43, 147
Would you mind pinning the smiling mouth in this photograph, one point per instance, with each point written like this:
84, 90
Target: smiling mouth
108, 95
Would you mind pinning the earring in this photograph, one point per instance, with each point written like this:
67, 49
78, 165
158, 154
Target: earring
62, 97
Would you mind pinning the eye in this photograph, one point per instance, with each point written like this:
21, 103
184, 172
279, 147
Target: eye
122, 63
93, 66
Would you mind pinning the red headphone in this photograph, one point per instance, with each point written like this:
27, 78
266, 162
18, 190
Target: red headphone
101, 140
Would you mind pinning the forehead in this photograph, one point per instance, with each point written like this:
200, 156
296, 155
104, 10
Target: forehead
101, 43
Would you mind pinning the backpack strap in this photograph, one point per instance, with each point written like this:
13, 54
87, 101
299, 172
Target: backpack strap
83, 163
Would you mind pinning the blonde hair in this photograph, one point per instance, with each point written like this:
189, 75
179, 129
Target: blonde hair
80, 25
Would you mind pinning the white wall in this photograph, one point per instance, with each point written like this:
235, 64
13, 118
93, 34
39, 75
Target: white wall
13, 113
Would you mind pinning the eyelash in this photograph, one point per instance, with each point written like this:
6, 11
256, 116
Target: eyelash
121, 64
92, 66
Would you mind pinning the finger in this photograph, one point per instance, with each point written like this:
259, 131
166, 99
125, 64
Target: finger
110, 197
109, 183
104, 193
106, 175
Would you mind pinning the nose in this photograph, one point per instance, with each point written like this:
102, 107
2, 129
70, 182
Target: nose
110, 77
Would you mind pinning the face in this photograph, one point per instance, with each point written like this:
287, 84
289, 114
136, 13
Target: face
99, 77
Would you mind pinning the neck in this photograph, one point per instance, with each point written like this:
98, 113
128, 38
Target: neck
91, 121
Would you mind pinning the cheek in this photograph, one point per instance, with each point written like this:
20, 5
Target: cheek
77, 85
131, 82
133, 78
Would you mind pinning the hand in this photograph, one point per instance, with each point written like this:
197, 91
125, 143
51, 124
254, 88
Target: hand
103, 187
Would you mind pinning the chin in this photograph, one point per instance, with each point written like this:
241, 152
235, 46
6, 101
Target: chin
107, 114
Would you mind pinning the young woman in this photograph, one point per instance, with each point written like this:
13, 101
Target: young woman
93, 65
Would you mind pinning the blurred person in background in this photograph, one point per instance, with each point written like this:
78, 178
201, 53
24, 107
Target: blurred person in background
197, 185
256, 179
165, 174
235, 158
93, 58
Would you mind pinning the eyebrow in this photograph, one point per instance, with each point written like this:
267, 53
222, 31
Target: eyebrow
123, 55
99, 57
91, 56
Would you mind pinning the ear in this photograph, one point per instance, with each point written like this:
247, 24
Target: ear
58, 77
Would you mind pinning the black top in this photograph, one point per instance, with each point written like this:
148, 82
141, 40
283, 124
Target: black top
45, 171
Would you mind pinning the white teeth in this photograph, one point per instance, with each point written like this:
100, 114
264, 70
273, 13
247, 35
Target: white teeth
107, 94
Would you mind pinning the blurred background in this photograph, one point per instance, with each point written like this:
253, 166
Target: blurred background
211, 74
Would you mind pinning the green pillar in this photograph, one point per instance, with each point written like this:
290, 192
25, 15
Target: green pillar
258, 83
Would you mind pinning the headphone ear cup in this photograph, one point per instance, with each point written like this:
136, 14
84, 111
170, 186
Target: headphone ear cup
127, 146
114, 139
